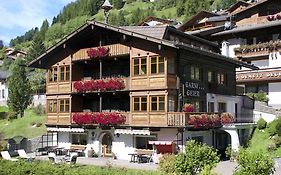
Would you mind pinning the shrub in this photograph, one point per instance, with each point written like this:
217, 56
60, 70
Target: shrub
207, 170
277, 141
230, 153
196, 157
39, 109
3, 115
167, 164
278, 126
272, 128
252, 163
261, 96
261, 124
12, 115
271, 147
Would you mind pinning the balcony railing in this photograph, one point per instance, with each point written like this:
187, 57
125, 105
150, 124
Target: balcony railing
114, 50
258, 50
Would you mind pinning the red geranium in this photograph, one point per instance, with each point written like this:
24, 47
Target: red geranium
79, 86
99, 118
98, 52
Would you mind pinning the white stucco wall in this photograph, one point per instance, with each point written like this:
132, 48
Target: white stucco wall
207, 136
275, 59
274, 94
3, 97
266, 116
229, 100
167, 134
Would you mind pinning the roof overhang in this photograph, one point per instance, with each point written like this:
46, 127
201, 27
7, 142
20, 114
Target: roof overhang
55, 129
132, 132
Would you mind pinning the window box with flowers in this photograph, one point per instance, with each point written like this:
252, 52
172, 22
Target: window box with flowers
204, 120
101, 118
109, 84
98, 52
227, 118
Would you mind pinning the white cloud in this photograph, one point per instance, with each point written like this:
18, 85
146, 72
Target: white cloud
22, 15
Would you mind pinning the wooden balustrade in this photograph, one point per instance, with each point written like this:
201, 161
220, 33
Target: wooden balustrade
114, 50
177, 119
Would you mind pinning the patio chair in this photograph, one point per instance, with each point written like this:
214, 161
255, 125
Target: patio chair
72, 159
5, 155
23, 155
52, 158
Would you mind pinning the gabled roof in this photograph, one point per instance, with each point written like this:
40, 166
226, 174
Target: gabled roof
238, 4
154, 31
43, 60
201, 14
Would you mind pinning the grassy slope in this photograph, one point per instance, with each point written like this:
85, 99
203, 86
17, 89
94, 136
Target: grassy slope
260, 142
22, 126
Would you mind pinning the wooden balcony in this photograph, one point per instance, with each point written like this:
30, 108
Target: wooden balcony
58, 87
58, 119
115, 50
255, 54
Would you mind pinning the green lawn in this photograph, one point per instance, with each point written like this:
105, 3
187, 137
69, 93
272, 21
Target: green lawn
23, 126
260, 141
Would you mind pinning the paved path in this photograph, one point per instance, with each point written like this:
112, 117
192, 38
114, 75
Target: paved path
223, 168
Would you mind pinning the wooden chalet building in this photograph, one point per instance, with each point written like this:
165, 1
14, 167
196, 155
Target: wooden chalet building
114, 89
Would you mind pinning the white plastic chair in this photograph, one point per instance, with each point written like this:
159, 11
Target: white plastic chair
23, 155
5, 155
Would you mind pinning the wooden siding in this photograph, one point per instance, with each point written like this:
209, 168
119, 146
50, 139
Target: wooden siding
59, 87
58, 119
114, 50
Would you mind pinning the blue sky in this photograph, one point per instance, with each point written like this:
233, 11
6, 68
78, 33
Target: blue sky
18, 16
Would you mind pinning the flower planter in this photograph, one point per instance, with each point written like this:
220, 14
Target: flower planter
101, 118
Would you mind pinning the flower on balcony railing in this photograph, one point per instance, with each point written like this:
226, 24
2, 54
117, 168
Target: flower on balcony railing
99, 118
204, 120
267, 46
109, 84
187, 107
79, 86
85, 118
226, 118
98, 52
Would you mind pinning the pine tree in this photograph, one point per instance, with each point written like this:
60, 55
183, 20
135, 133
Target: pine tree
19, 89
44, 27
37, 48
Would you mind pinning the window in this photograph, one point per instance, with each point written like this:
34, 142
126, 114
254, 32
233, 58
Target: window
210, 76
3, 93
211, 107
52, 106
64, 73
142, 141
53, 74
157, 103
140, 66
195, 73
171, 104
221, 78
156, 65
79, 139
140, 104
222, 107
64, 105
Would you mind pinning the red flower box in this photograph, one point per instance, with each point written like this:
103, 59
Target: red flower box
204, 120
98, 52
99, 118
111, 84
227, 118
188, 107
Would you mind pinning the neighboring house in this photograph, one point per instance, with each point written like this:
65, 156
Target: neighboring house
250, 32
115, 89
13, 54
3, 87
154, 21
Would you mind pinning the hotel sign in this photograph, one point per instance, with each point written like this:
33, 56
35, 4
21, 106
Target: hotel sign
254, 76
193, 89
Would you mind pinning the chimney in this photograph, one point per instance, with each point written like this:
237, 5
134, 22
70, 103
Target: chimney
225, 48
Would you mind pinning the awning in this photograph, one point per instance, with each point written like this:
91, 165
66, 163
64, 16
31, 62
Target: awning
53, 129
132, 131
160, 142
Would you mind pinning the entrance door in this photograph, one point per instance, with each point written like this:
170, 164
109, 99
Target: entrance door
106, 145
